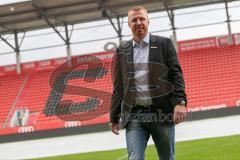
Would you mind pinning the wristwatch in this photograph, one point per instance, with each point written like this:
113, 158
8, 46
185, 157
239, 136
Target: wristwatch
182, 102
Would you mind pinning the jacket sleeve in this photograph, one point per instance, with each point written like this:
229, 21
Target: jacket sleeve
117, 95
175, 75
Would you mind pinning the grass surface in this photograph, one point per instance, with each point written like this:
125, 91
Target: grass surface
223, 148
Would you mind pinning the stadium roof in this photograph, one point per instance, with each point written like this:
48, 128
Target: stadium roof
37, 14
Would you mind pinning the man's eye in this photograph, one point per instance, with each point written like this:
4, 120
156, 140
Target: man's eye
140, 19
134, 20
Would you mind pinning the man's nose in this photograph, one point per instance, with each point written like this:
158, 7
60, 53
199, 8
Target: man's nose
138, 21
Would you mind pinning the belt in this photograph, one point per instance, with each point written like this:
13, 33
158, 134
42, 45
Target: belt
143, 108
143, 102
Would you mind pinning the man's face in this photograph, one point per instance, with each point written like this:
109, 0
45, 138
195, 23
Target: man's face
138, 23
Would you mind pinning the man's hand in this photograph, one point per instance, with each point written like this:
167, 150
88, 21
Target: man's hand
179, 113
115, 128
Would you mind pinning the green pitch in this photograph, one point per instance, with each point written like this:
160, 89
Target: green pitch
223, 148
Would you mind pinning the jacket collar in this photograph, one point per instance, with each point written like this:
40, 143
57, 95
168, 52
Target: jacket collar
146, 40
153, 44
153, 39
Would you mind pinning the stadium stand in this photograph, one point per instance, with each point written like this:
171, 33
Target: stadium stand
59, 97
8, 95
212, 77
33, 90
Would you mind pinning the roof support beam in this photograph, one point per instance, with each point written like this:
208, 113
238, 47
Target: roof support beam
4, 40
44, 16
230, 38
68, 47
66, 40
120, 24
106, 13
17, 50
172, 20
10, 45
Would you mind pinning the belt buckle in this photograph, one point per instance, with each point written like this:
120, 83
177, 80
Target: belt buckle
147, 107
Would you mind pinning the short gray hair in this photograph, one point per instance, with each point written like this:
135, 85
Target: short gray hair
137, 8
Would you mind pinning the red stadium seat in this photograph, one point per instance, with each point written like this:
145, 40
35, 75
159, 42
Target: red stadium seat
211, 75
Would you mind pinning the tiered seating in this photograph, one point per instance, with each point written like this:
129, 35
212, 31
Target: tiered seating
37, 93
9, 88
211, 75
41, 98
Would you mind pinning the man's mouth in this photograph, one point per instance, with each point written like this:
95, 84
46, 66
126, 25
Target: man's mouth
139, 29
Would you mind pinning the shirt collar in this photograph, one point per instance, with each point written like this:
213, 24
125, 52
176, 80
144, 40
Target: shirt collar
145, 40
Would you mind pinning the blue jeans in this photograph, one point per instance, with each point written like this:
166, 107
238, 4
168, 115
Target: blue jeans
138, 133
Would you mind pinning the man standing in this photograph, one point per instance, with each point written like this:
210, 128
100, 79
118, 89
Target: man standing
149, 91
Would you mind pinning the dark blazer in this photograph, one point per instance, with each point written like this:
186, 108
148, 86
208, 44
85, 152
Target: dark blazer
167, 87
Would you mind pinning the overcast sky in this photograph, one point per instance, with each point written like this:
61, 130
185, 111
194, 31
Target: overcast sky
10, 1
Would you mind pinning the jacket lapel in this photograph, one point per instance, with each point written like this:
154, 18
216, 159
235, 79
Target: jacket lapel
153, 49
131, 75
130, 58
